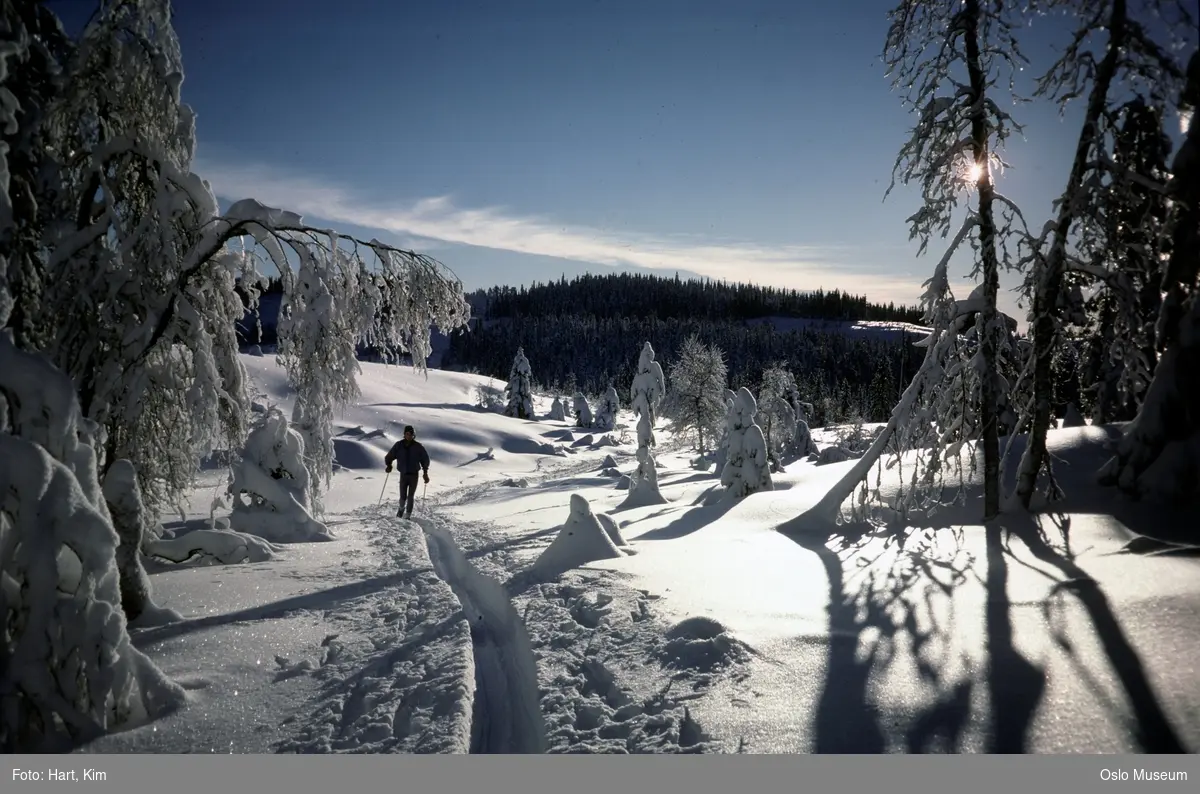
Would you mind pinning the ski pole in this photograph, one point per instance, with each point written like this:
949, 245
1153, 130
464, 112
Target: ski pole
424, 488
384, 490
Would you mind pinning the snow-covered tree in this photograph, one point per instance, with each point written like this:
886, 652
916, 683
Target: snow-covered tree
722, 453
1158, 449
695, 403
35, 49
802, 442
68, 671
776, 416
519, 390
557, 412
953, 151
747, 470
271, 485
649, 388
583, 411
1130, 61
607, 410
957, 396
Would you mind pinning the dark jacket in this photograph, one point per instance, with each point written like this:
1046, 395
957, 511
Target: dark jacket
409, 458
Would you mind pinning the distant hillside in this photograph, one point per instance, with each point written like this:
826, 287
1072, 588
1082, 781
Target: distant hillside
851, 358
638, 295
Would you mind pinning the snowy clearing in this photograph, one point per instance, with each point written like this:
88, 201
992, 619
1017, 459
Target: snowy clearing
698, 624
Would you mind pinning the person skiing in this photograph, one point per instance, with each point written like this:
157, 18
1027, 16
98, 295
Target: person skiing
410, 454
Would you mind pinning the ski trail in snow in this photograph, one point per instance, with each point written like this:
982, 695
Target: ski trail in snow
507, 711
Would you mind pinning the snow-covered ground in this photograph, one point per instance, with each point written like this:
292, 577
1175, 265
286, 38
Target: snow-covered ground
697, 625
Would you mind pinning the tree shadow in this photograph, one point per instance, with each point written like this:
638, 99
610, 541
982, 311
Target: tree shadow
491, 548
691, 521
451, 406
1015, 685
687, 479
480, 456
878, 609
321, 599
1153, 729
1076, 471
846, 721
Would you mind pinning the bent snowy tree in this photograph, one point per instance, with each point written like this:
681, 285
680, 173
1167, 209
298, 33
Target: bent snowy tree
926, 430
138, 297
119, 286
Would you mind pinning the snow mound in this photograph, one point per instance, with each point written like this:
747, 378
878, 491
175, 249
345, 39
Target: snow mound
513, 482
581, 540
352, 454
560, 435
585, 441
612, 529
1072, 417
527, 446
218, 546
701, 644
609, 462
834, 455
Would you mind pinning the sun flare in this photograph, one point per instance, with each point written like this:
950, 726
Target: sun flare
974, 173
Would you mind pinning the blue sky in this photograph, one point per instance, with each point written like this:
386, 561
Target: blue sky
746, 140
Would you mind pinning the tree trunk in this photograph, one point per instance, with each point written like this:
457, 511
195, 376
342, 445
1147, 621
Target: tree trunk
1048, 286
988, 397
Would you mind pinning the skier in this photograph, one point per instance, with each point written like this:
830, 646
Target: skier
412, 457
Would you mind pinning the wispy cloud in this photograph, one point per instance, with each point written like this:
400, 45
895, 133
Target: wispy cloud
847, 268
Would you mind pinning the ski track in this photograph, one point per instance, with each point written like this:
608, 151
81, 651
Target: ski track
610, 679
399, 678
507, 715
